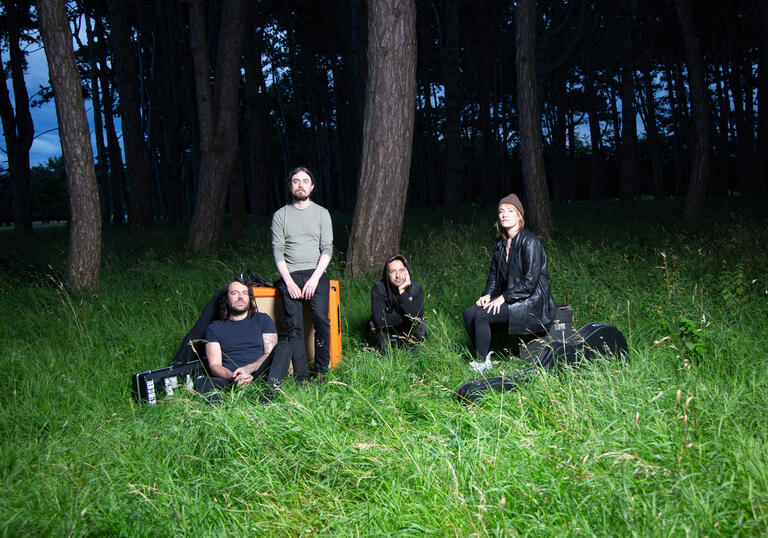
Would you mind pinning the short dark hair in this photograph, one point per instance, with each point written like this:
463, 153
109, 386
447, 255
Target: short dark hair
223, 306
301, 169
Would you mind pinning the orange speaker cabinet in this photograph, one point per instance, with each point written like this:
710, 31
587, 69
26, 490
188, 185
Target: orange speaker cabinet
267, 301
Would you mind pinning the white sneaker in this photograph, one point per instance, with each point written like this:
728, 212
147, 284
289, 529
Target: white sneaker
481, 367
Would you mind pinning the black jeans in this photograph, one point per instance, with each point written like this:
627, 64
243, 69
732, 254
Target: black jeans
478, 323
294, 323
274, 369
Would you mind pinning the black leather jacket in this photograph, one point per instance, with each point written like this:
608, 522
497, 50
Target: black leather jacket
527, 294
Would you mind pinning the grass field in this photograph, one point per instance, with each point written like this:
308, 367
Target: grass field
673, 442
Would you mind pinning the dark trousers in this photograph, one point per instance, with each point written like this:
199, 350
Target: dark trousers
294, 323
479, 322
274, 369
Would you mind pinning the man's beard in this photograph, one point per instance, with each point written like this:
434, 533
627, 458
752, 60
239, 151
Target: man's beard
234, 311
300, 197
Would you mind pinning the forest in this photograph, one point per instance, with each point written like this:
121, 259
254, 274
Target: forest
632, 132
199, 104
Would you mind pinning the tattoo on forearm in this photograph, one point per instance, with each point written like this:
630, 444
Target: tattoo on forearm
270, 340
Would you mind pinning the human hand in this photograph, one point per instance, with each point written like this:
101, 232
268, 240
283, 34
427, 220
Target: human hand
242, 376
293, 290
404, 286
482, 301
310, 287
494, 306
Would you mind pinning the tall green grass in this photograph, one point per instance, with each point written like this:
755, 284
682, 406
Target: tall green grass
672, 442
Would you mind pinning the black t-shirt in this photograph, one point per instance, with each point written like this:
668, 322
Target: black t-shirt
242, 342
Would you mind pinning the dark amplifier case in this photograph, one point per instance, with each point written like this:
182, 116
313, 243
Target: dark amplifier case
152, 385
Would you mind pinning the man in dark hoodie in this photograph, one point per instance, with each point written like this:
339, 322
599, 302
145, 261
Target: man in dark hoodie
397, 306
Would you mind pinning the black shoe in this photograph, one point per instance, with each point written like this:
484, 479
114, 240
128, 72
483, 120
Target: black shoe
303, 382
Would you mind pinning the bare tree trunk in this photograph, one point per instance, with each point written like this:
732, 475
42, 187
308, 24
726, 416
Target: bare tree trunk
724, 112
98, 126
677, 98
388, 135
597, 187
237, 197
169, 80
652, 133
761, 182
559, 154
217, 114
350, 96
116, 169
140, 202
84, 254
702, 114
18, 128
539, 211
628, 117
451, 75
259, 187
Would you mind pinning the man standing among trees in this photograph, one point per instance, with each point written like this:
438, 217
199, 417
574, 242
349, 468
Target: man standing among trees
302, 243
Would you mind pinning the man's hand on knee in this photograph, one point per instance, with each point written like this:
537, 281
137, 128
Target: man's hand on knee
293, 290
242, 376
309, 288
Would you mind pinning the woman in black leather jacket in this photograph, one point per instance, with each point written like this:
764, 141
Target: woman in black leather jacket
516, 294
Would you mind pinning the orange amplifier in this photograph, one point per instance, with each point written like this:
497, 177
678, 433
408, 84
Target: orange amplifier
268, 302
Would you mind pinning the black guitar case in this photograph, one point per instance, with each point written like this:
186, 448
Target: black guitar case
592, 340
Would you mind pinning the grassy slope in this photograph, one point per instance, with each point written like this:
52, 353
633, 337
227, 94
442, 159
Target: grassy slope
673, 442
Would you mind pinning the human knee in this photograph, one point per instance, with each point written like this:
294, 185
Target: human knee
293, 332
469, 314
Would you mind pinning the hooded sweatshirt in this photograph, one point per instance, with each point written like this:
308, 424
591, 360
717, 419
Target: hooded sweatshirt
400, 312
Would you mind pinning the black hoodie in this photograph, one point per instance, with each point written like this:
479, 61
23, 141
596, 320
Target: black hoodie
400, 312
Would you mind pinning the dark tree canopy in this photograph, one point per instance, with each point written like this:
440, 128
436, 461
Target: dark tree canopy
620, 103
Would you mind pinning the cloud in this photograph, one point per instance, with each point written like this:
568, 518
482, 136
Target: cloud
43, 148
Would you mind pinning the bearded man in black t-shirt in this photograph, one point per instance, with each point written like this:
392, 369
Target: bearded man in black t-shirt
244, 345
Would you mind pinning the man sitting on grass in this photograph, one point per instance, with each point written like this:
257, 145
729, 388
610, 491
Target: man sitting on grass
243, 346
397, 306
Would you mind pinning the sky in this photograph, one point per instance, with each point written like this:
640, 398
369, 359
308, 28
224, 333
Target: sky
46, 143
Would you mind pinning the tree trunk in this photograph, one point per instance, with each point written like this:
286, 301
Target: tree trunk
168, 82
237, 197
388, 135
702, 154
18, 128
761, 168
98, 125
217, 115
539, 211
350, 96
84, 254
724, 112
628, 117
124, 62
559, 154
259, 187
652, 134
116, 169
597, 184
489, 187
677, 97
451, 76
